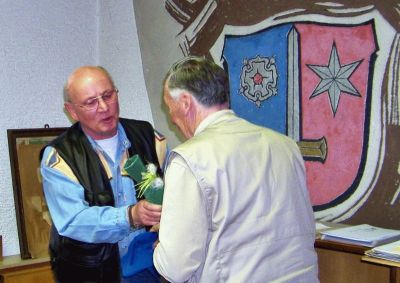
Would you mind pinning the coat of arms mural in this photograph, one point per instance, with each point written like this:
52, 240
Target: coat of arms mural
327, 75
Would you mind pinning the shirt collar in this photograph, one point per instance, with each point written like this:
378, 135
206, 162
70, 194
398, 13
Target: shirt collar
210, 119
122, 139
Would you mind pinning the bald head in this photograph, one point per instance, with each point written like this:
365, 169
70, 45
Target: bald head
81, 76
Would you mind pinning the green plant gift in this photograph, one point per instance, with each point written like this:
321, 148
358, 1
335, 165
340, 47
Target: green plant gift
148, 184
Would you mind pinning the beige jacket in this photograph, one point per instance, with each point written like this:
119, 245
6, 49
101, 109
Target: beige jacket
236, 208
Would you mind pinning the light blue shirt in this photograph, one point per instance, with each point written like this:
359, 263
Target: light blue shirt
71, 213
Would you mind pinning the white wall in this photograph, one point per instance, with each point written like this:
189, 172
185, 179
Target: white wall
41, 42
157, 33
119, 53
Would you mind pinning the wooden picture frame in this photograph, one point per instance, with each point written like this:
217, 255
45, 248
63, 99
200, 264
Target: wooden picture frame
33, 218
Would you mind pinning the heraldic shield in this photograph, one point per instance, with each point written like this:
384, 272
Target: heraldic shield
309, 81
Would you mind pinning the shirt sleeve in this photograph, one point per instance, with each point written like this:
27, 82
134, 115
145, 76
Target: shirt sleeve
71, 214
183, 226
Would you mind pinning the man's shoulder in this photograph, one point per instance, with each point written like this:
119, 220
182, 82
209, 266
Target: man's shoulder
159, 137
136, 127
193, 145
134, 122
141, 124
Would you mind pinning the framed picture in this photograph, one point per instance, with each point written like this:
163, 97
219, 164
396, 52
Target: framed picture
33, 218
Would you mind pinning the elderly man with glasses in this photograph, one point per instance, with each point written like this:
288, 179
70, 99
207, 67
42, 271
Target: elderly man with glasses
96, 215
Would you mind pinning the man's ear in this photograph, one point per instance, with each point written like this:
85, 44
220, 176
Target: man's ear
186, 101
71, 111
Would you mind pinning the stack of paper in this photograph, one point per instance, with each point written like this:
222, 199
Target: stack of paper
389, 251
364, 235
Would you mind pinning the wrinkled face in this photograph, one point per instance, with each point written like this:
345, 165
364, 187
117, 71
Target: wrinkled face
177, 113
100, 122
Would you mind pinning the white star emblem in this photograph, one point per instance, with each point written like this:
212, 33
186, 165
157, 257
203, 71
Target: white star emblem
335, 79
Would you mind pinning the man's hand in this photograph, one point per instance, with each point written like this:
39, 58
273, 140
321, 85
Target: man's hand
145, 213
155, 228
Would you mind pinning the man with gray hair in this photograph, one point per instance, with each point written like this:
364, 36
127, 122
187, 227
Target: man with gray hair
236, 206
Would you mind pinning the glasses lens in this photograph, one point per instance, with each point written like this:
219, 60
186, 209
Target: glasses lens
91, 103
109, 96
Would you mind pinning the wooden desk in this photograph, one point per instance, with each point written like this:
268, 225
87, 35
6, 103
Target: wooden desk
347, 263
394, 266
15, 270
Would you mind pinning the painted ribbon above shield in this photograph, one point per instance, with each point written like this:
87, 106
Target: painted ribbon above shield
311, 81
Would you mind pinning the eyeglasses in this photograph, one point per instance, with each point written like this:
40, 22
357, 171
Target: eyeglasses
107, 97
